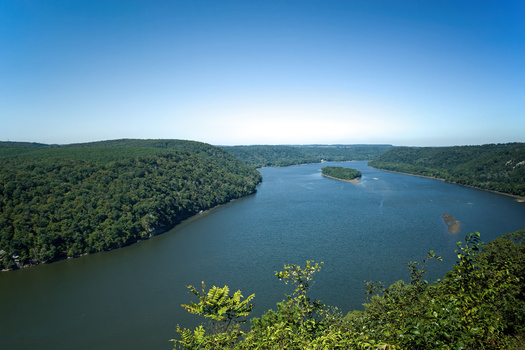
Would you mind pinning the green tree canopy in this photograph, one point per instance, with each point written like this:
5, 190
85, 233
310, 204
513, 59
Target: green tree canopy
496, 167
64, 201
341, 173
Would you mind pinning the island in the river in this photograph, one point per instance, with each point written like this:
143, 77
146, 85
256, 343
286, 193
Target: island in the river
452, 224
343, 174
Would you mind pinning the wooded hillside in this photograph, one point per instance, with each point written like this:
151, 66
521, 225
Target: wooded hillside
63, 201
496, 167
263, 156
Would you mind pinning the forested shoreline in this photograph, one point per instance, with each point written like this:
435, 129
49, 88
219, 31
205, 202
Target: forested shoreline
65, 201
494, 167
260, 156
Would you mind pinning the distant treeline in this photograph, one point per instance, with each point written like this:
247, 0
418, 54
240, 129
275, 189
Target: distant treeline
340, 172
263, 156
64, 201
496, 167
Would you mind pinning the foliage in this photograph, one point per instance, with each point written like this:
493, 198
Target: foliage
340, 172
296, 315
263, 156
473, 307
301, 278
299, 323
479, 304
496, 167
226, 313
64, 201
218, 305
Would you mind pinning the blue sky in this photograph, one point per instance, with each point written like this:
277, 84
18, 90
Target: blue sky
423, 73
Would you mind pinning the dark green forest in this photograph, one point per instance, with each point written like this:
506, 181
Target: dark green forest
264, 156
65, 201
496, 167
479, 304
339, 172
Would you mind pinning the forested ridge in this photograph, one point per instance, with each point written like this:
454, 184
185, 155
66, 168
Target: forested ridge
263, 156
496, 167
64, 201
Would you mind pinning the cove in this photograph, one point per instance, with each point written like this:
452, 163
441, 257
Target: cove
130, 298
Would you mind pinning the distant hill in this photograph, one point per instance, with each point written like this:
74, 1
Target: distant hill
8, 148
263, 156
63, 201
496, 167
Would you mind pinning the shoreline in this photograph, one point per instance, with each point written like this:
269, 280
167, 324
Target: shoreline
519, 199
154, 233
354, 181
321, 162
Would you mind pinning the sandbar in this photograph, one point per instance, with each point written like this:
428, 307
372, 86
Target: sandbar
354, 181
452, 224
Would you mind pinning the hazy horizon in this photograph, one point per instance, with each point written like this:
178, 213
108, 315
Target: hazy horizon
406, 73
280, 144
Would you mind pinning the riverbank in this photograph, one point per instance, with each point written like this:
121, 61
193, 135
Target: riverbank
155, 232
519, 199
354, 181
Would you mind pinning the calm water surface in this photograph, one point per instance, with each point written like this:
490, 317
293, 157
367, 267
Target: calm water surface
130, 298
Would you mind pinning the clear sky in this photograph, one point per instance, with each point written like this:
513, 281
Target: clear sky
239, 72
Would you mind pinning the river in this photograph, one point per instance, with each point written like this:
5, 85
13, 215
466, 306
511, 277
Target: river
130, 298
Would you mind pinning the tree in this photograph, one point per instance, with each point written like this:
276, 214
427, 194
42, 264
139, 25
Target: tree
226, 312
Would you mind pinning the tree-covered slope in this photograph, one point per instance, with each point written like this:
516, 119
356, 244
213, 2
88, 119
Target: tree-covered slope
61, 201
262, 156
8, 148
496, 167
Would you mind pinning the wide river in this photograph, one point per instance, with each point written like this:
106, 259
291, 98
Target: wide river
130, 298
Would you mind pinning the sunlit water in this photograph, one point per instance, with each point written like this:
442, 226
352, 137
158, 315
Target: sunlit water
130, 298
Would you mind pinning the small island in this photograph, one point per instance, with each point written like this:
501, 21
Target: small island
452, 224
343, 174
